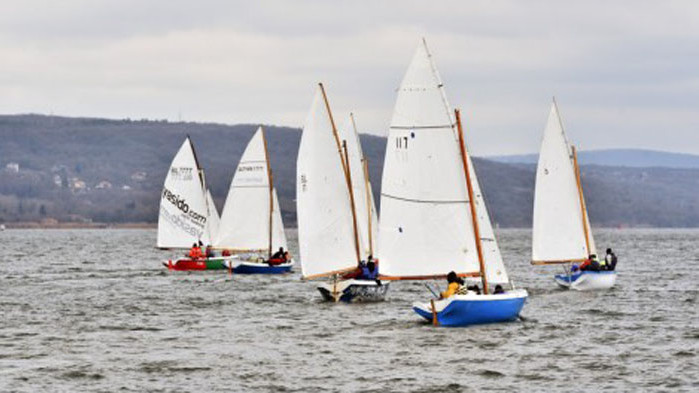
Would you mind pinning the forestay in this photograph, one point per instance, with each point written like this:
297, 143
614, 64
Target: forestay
363, 196
426, 226
558, 233
245, 219
325, 228
183, 215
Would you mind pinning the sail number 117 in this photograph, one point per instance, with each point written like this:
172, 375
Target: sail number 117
402, 142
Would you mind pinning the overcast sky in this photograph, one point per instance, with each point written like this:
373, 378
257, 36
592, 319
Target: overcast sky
625, 73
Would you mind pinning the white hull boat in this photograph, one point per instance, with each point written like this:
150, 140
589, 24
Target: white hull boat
587, 280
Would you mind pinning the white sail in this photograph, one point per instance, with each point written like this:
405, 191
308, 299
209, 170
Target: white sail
325, 227
214, 219
183, 209
426, 226
495, 271
363, 196
278, 235
558, 233
245, 218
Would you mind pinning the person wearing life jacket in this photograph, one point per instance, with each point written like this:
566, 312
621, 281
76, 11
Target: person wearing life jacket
591, 264
601, 262
195, 252
455, 283
610, 260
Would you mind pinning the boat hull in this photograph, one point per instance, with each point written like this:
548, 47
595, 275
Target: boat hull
353, 291
247, 267
187, 264
473, 309
587, 280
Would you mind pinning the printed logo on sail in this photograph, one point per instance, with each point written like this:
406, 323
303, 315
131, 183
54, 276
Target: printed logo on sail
182, 205
181, 173
250, 168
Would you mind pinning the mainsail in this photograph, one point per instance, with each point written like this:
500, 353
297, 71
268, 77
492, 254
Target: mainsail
426, 228
327, 241
558, 225
183, 218
367, 222
245, 221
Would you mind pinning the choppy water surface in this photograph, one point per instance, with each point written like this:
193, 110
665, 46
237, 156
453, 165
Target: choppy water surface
95, 311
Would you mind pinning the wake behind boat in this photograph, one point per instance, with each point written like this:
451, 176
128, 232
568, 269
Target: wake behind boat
433, 215
330, 240
561, 226
251, 224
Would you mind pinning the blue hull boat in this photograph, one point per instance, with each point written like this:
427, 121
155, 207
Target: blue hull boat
260, 268
473, 309
587, 280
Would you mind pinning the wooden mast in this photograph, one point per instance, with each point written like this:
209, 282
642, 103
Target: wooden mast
367, 186
471, 202
583, 209
270, 180
345, 168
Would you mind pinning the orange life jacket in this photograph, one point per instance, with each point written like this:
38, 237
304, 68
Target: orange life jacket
195, 253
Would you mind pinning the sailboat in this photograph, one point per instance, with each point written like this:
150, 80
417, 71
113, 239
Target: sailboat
326, 206
186, 211
561, 225
433, 214
251, 223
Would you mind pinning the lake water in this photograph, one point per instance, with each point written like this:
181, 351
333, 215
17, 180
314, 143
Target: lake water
94, 310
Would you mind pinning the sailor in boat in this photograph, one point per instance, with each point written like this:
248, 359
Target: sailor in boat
279, 257
370, 271
210, 251
195, 252
454, 287
591, 264
366, 270
610, 260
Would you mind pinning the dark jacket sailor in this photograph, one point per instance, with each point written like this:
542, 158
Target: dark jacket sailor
610, 259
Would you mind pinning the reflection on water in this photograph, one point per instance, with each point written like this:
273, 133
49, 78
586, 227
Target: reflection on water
95, 311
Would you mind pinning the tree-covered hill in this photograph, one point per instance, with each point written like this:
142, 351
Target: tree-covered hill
82, 169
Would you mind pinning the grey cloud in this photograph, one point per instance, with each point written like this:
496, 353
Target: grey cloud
624, 71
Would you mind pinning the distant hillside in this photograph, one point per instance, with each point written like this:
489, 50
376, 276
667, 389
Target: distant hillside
635, 158
77, 169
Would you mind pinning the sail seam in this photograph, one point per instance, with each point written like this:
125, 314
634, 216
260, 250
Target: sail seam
441, 126
421, 200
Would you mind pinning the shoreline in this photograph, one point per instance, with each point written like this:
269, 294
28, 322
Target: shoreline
80, 225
